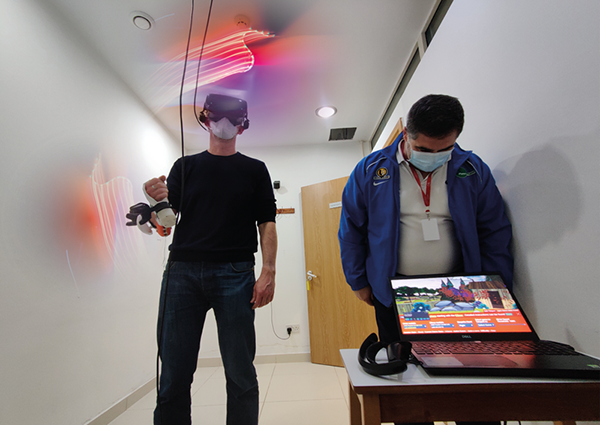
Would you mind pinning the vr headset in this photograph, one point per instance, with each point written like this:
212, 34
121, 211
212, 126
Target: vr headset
398, 354
219, 106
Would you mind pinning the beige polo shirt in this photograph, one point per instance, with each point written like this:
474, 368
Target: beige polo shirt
415, 254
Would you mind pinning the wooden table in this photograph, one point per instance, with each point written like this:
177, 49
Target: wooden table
415, 396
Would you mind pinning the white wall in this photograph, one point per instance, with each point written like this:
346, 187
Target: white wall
528, 76
77, 307
295, 167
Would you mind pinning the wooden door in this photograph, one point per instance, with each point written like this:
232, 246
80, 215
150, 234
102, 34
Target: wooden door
337, 319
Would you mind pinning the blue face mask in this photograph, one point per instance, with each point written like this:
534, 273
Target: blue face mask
429, 161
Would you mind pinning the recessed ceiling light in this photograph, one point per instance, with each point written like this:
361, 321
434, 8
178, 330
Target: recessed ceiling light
142, 20
326, 111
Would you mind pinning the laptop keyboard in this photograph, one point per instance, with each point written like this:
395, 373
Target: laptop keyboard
494, 347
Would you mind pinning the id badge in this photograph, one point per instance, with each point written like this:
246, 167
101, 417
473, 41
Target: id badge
430, 230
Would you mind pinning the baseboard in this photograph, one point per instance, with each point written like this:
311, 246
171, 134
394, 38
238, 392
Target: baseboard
122, 405
126, 402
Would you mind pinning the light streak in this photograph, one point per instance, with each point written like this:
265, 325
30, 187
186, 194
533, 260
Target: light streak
112, 200
221, 58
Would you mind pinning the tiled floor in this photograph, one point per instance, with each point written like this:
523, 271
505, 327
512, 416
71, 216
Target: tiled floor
290, 394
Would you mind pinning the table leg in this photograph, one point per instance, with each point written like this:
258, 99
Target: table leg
371, 411
355, 410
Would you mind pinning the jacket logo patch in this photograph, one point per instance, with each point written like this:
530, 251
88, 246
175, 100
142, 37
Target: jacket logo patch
462, 173
381, 174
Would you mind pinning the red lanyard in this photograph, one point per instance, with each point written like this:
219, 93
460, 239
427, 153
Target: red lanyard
426, 194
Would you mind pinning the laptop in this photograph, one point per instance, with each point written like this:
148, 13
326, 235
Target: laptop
473, 325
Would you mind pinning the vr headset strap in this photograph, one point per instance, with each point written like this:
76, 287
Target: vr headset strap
398, 354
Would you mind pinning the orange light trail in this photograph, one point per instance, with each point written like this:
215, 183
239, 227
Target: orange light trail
221, 58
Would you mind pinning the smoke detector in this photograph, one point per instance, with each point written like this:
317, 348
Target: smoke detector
142, 20
242, 21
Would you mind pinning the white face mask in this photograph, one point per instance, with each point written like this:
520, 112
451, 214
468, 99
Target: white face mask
223, 129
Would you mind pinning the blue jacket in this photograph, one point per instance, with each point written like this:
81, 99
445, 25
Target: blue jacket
370, 225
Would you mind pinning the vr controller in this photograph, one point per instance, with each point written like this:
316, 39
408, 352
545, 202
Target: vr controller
141, 213
164, 213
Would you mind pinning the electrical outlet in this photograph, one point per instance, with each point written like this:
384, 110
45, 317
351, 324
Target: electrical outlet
295, 328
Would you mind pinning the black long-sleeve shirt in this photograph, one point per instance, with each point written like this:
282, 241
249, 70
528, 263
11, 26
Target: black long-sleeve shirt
225, 198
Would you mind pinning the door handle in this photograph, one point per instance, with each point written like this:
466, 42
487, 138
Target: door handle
309, 277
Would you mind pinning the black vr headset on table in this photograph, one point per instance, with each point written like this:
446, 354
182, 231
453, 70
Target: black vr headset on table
398, 354
219, 106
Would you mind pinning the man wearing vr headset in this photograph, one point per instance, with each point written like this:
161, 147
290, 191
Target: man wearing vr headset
421, 206
226, 197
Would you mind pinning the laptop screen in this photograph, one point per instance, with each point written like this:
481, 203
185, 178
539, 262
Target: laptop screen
446, 307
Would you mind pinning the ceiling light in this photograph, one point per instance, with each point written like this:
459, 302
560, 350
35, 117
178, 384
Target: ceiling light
326, 111
142, 20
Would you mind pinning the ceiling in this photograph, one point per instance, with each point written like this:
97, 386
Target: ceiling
344, 53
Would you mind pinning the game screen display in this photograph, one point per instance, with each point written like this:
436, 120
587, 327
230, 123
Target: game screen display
462, 304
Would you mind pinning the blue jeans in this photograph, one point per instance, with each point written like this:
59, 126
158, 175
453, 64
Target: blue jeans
191, 290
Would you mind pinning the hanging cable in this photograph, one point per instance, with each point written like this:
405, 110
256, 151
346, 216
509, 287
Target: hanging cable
199, 61
182, 131
273, 326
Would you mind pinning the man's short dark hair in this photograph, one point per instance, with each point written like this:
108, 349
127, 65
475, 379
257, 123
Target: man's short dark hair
435, 115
